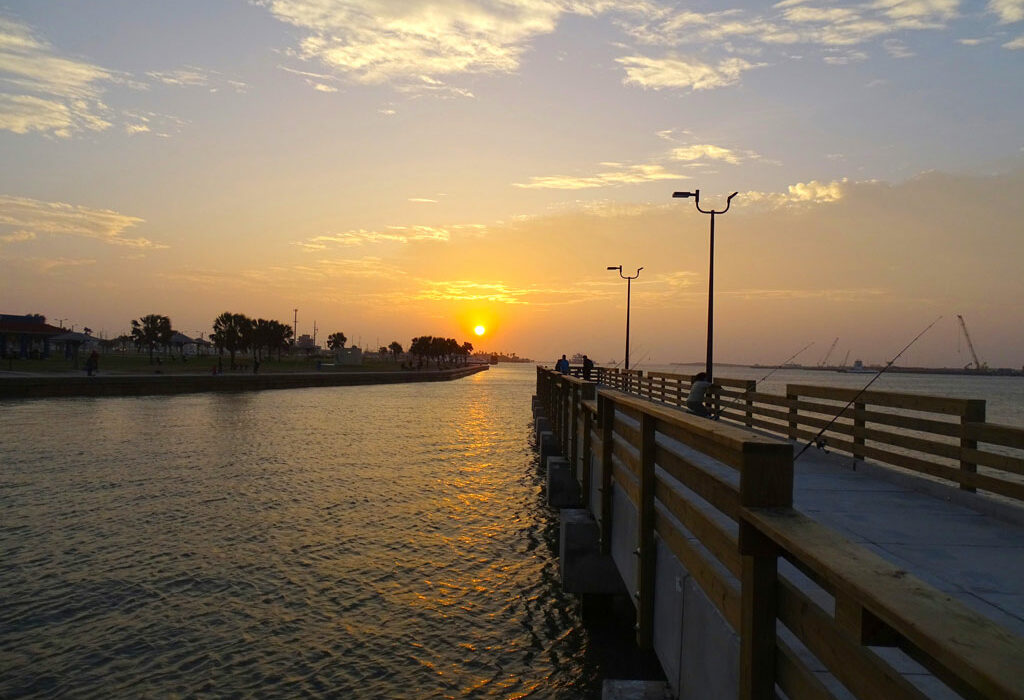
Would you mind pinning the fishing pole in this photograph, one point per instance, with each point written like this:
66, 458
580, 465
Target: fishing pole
814, 440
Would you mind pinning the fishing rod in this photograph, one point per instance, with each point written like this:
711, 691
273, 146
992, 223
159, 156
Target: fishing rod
816, 438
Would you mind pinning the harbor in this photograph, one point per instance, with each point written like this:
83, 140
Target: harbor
884, 561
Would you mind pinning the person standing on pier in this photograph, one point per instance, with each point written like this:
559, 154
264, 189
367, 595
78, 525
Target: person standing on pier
588, 366
698, 391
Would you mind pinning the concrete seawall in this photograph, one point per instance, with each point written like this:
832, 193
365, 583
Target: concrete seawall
37, 387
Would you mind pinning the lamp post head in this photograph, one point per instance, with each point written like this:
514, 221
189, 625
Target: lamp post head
615, 267
684, 195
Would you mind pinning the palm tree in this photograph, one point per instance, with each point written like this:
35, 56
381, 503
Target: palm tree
465, 350
231, 332
150, 331
396, 349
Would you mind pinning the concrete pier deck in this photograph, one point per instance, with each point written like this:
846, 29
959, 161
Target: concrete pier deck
968, 546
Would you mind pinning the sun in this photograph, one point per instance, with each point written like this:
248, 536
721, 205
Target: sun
479, 330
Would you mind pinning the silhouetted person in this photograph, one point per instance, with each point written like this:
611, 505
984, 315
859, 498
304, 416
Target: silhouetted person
588, 366
698, 391
92, 364
562, 365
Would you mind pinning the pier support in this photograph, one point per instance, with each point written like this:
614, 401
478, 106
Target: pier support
563, 489
584, 568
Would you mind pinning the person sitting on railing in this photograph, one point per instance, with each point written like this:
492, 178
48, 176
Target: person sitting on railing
698, 391
562, 365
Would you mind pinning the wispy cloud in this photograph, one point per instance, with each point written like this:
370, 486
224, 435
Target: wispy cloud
392, 234
802, 193
417, 44
191, 76
1008, 11
45, 92
1015, 44
615, 175
28, 218
463, 290
682, 72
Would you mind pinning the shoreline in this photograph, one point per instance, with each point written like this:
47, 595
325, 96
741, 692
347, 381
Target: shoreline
44, 387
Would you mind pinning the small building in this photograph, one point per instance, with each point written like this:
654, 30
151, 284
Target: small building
26, 336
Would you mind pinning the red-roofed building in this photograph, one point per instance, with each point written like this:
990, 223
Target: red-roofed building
26, 336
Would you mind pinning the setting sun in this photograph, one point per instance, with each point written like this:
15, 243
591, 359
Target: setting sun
479, 330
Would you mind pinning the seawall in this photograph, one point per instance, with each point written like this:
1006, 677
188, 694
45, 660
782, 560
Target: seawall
37, 387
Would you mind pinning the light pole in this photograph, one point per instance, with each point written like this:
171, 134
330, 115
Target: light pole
711, 270
629, 282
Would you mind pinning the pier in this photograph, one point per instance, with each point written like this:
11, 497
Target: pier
888, 564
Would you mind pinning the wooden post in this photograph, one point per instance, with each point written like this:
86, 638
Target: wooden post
751, 387
766, 480
859, 428
645, 536
973, 413
793, 418
606, 414
574, 428
589, 393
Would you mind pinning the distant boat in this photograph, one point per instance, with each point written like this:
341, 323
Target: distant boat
857, 368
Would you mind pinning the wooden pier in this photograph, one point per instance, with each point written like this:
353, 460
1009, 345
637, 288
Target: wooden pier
891, 567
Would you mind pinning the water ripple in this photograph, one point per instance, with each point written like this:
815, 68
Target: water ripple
385, 542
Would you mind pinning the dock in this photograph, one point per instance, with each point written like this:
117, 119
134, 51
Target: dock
889, 564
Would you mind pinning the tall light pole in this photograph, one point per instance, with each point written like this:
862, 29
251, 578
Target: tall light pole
629, 282
711, 270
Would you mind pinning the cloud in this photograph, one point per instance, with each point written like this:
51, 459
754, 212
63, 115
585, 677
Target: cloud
393, 234
44, 92
619, 174
463, 290
682, 72
707, 151
422, 200
1008, 11
416, 43
31, 216
191, 76
1016, 44
802, 193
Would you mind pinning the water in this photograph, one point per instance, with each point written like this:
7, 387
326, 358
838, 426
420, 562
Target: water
379, 542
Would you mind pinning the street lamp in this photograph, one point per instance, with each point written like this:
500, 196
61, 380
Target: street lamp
711, 273
629, 282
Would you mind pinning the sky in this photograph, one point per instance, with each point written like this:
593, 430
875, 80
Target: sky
395, 168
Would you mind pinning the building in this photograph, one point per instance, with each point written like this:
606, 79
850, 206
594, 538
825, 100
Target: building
26, 336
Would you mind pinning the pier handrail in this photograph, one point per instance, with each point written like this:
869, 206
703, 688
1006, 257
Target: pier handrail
941, 438
719, 497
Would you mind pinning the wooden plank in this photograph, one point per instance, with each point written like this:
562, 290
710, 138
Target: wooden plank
721, 543
1005, 435
722, 594
590, 406
716, 491
954, 641
645, 536
857, 667
889, 399
796, 680
1006, 463
627, 481
627, 454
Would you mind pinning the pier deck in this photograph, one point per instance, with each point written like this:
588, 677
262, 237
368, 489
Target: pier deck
974, 556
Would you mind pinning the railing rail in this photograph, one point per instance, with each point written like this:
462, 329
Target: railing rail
719, 497
942, 438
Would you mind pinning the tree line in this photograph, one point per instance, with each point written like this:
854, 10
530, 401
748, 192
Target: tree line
235, 333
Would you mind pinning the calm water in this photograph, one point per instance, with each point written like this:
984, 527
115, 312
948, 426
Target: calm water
361, 541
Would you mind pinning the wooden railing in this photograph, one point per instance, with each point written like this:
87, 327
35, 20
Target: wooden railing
943, 438
719, 497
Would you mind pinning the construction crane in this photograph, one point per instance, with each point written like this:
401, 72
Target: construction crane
824, 362
970, 346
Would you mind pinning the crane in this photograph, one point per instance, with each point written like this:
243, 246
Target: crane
824, 362
970, 346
